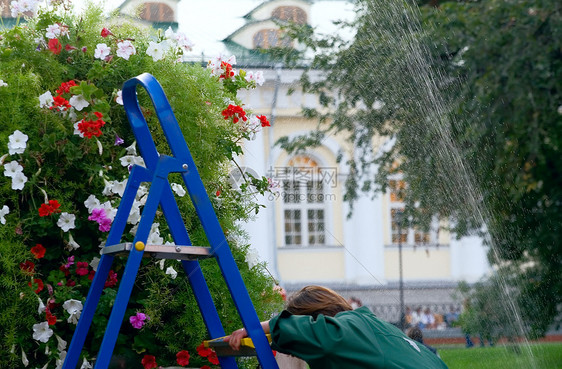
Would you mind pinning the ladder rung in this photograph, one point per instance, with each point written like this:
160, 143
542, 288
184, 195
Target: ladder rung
182, 252
222, 348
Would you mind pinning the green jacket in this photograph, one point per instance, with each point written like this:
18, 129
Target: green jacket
354, 339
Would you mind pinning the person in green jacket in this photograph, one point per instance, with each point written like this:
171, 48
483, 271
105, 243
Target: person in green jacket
320, 327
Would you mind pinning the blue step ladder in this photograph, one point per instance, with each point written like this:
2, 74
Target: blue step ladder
158, 167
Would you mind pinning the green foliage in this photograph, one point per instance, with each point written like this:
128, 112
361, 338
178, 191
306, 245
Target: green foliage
468, 95
60, 165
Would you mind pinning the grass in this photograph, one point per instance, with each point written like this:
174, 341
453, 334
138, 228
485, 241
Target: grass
535, 356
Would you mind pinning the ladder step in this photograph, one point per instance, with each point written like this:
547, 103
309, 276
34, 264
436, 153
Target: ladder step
181, 252
222, 348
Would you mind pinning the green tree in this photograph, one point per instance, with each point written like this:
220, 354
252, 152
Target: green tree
469, 96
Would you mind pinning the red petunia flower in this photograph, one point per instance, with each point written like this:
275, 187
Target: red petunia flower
91, 127
51, 319
234, 111
37, 282
28, 267
228, 72
263, 120
149, 362
50, 208
38, 251
82, 268
91, 275
111, 279
65, 87
182, 357
203, 351
205, 367
60, 103
213, 358
54, 46
105, 32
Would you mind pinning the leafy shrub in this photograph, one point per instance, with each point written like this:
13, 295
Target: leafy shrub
70, 149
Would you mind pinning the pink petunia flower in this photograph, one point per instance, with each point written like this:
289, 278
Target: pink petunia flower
137, 320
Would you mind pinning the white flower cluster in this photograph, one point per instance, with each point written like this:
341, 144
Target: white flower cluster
17, 143
21, 6
3, 84
56, 30
92, 203
124, 50
217, 69
74, 309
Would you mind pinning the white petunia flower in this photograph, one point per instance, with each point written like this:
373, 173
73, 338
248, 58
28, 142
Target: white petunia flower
178, 189
72, 245
18, 181
184, 42
135, 214
127, 160
17, 142
46, 100
169, 34
255, 76
155, 239
172, 272
41, 308
53, 31
110, 211
118, 188
86, 365
74, 308
132, 149
560, 110
12, 169
77, 131
252, 258
139, 161
61, 344
91, 203
66, 221
156, 50
3, 84
94, 263
42, 332
125, 49
78, 102
119, 97
102, 51
24, 358
60, 360
3, 212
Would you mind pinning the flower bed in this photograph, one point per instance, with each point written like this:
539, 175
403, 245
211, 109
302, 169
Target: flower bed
68, 153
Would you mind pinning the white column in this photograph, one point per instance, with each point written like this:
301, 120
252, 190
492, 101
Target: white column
364, 256
260, 230
468, 259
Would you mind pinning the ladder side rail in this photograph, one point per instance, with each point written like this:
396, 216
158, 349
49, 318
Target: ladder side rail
201, 201
137, 176
229, 269
129, 275
194, 273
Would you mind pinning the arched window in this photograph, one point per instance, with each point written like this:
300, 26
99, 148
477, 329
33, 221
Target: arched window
289, 13
157, 12
267, 38
304, 203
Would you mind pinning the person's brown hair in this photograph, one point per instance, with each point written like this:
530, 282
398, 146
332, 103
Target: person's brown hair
315, 300
416, 334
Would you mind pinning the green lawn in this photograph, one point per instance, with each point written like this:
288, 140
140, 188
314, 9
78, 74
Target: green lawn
541, 356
